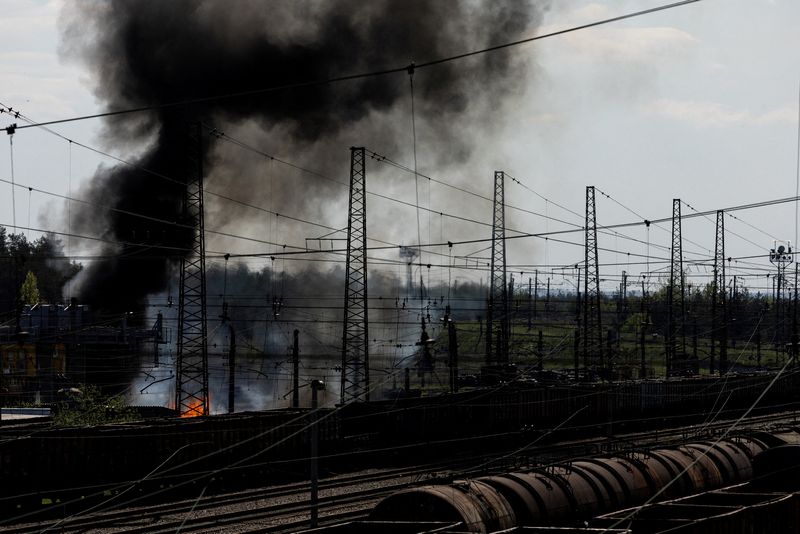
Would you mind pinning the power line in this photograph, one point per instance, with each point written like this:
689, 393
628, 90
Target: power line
173, 180
350, 77
384, 159
221, 135
19, 114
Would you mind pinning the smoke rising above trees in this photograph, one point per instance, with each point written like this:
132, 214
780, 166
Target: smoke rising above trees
150, 52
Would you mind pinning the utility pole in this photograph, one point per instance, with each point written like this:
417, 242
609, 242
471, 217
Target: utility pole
316, 386
355, 333
781, 256
497, 312
513, 303
296, 369
645, 320
158, 338
758, 348
226, 319
452, 350
530, 303
547, 297
576, 347
795, 336
622, 308
719, 301
733, 307
578, 325
191, 392
232, 370
540, 352
592, 326
675, 296
425, 364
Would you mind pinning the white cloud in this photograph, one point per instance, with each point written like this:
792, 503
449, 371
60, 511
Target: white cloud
784, 115
547, 118
615, 42
590, 13
715, 115
637, 45
33, 78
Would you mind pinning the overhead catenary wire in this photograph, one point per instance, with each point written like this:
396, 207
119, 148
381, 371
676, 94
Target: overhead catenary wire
577, 227
243, 145
357, 76
441, 240
156, 219
169, 179
72, 142
705, 452
416, 206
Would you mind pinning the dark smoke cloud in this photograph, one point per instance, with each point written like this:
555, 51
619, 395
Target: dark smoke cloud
310, 300
150, 51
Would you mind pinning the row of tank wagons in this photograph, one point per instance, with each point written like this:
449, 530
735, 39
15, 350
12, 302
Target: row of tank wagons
570, 492
508, 408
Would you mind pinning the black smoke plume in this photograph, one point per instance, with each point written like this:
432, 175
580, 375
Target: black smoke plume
149, 52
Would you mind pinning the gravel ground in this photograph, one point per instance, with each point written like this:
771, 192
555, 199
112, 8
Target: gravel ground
255, 503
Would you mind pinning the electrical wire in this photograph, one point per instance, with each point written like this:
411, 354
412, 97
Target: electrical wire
351, 77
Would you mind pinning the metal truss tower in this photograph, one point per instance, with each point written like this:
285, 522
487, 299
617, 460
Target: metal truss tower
719, 324
355, 334
675, 295
497, 320
592, 326
191, 392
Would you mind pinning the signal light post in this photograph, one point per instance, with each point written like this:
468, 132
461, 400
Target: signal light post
781, 255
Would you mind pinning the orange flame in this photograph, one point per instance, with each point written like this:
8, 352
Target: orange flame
194, 409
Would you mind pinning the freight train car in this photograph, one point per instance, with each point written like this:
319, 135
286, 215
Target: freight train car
567, 494
38, 462
505, 411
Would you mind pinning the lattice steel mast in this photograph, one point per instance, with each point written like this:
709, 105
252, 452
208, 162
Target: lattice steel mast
719, 324
355, 335
676, 309
497, 331
592, 326
191, 392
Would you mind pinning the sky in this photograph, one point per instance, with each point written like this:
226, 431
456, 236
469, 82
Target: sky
698, 103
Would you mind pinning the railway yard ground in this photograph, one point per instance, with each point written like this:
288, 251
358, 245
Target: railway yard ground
345, 497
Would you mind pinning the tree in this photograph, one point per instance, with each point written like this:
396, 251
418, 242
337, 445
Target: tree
29, 293
43, 257
88, 406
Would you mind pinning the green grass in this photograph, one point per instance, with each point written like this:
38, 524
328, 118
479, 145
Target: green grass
558, 350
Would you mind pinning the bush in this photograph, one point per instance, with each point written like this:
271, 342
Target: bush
87, 406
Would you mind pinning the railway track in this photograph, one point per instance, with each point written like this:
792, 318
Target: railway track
278, 515
286, 508
294, 493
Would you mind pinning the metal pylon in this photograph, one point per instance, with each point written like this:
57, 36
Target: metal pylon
497, 331
719, 326
592, 325
355, 335
675, 348
191, 392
